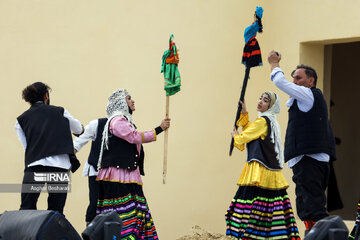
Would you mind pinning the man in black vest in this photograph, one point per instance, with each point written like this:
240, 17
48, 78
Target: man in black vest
93, 131
45, 133
309, 141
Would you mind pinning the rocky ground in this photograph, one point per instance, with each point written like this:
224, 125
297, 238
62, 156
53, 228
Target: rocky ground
201, 234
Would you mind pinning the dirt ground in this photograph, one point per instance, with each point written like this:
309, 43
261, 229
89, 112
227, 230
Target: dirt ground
201, 234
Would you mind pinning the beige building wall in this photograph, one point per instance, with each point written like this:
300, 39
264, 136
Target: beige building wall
86, 49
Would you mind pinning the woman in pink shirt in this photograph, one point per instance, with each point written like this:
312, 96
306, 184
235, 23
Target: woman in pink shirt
120, 166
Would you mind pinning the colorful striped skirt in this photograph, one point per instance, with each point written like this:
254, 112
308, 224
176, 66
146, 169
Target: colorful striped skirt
257, 213
355, 233
128, 200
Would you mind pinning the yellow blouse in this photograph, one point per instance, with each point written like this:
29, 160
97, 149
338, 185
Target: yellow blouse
251, 131
255, 173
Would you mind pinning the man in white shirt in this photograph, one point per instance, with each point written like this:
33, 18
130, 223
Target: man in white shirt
93, 131
45, 133
309, 141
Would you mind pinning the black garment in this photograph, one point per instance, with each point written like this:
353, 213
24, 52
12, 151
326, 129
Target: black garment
252, 54
334, 201
309, 132
121, 154
47, 132
56, 201
124, 154
96, 145
311, 179
93, 160
93, 197
263, 150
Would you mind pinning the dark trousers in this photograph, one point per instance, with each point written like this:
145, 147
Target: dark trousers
311, 178
93, 198
56, 201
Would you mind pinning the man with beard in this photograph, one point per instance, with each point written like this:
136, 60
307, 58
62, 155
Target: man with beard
45, 133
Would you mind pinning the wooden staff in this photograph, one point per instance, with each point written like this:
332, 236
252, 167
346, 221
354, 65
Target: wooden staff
242, 96
166, 141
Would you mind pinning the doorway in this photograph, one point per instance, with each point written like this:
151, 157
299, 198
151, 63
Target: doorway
342, 63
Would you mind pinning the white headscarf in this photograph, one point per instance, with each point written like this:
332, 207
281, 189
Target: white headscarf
275, 136
117, 106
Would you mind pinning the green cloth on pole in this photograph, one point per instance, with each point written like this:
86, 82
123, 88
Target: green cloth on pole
169, 67
172, 79
166, 54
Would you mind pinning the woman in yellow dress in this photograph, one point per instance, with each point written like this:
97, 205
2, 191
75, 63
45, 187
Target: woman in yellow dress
261, 208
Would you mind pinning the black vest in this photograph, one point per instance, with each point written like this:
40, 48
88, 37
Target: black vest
309, 132
47, 133
263, 151
122, 154
96, 145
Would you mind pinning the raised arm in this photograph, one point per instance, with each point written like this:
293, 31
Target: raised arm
302, 94
120, 127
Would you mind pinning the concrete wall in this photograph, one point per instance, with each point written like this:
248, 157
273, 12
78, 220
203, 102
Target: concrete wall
86, 49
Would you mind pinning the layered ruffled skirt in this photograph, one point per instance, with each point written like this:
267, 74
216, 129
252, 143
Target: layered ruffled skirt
128, 200
261, 208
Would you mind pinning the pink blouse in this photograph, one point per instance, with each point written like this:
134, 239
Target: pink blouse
121, 128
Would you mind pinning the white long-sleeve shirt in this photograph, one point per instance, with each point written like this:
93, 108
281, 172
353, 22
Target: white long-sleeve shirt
305, 101
90, 133
59, 161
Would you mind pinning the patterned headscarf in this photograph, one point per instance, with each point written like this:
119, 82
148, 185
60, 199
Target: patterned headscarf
117, 106
275, 137
272, 96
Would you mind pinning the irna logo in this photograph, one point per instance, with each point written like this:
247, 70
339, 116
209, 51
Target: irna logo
52, 177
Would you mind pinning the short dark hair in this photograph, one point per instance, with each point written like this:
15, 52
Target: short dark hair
35, 92
309, 71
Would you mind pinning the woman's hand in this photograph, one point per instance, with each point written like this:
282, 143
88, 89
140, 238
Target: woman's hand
165, 124
234, 132
243, 109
